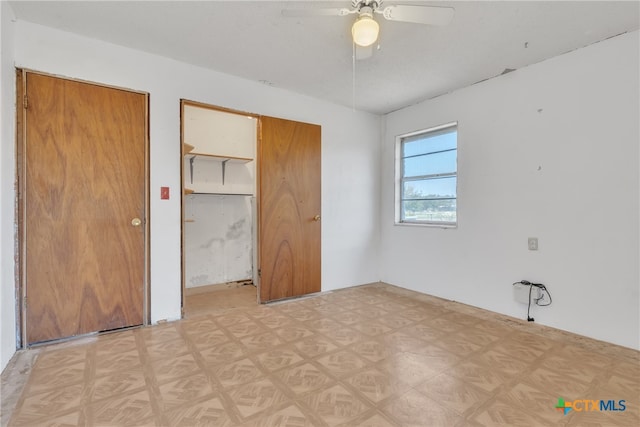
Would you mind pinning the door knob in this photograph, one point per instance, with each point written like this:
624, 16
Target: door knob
136, 222
316, 218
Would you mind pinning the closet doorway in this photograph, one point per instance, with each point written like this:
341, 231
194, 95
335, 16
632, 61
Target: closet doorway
251, 208
218, 208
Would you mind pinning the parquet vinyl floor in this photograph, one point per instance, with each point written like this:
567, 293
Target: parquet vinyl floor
373, 355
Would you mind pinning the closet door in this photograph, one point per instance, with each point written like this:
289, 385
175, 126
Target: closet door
289, 208
84, 185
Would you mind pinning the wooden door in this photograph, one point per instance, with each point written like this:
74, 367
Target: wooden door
289, 204
84, 183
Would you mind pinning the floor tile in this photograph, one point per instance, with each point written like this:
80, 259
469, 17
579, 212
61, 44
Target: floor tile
48, 403
401, 341
245, 329
273, 320
68, 419
409, 368
184, 391
569, 368
57, 376
335, 405
288, 333
256, 397
118, 383
375, 420
454, 393
372, 350
116, 343
501, 362
304, 314
458, 345
303, 378
342, 363
223, 353
377, 385
624, 385
71, 356
290, 416
480, 375
556, 383
110, 362
210, 412
279, 358
238, 372
503, 414
533, 400
371, 328
125, 409
160, 334
208, 339
413, 409
261, 341
315, 346
174, 367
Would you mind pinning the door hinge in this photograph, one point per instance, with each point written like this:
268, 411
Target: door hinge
24, 303
259, 272
25, 102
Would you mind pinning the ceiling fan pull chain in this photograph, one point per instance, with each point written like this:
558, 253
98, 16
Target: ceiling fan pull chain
353, 76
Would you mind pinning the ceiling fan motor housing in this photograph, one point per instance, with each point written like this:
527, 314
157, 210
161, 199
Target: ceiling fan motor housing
359, 4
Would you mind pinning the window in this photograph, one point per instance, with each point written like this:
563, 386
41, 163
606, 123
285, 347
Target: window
426, 176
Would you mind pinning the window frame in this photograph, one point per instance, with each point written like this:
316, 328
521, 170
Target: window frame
400, 178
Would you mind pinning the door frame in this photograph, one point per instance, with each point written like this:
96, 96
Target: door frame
256, 237
20, 208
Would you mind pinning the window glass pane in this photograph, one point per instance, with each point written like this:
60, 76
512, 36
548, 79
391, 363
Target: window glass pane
429, 143
430, 164
426, 181
430, 188
429, 210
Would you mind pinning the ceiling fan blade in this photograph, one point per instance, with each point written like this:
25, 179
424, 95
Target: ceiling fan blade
316, 12
431, 15
363, 52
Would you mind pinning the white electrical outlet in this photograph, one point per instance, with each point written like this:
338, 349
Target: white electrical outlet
522, 292
533, 243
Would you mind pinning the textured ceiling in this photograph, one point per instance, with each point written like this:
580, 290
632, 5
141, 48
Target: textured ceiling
313, 55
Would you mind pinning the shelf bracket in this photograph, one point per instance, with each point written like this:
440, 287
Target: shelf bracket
224, 167
191, 167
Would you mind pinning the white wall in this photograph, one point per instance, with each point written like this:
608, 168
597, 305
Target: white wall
218, 244
222, 134
547, 151
7, 180
350, 151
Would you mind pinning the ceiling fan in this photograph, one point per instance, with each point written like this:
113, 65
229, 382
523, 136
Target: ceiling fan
365, 29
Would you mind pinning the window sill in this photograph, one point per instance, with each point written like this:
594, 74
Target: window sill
426, 224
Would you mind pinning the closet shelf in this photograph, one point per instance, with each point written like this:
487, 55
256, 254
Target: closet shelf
219, 158
214, 157
206, 193
188, 191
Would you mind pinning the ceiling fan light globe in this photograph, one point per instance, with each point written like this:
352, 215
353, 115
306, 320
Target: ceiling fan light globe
365, 31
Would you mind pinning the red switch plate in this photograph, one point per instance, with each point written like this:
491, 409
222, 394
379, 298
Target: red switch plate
164, 193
